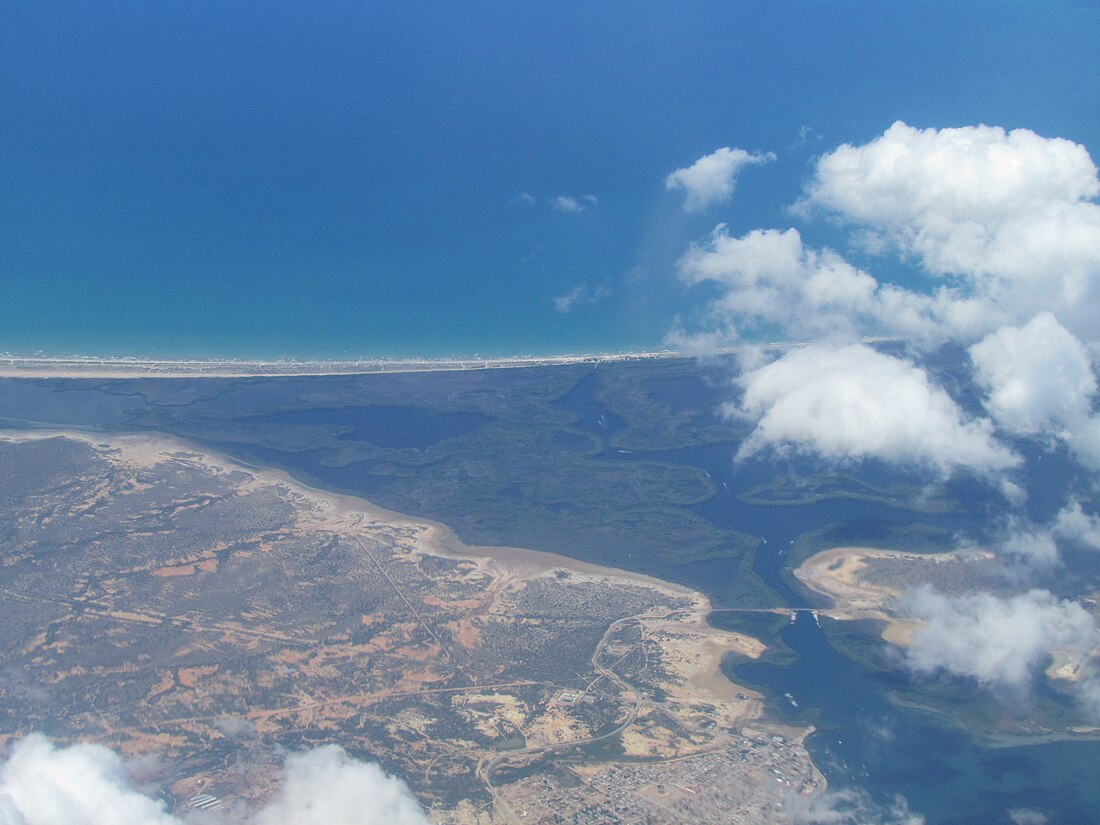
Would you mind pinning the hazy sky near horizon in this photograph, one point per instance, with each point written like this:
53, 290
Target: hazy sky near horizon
439, 178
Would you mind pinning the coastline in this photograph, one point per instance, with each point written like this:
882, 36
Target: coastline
46, 366
88, 367
715, 717
835, 574
437, 538
75, 366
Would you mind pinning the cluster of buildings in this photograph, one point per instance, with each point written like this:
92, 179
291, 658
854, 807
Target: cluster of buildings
750, 782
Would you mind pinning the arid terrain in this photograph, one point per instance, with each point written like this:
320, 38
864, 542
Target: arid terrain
171, 604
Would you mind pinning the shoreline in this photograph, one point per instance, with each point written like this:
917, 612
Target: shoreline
690, 649
439, 539
79, 366
89, 367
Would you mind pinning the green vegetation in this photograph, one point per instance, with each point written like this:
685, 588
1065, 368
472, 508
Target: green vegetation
541, 472
793, 490
654, 424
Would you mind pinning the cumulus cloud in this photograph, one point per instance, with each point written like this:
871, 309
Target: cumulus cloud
998, 641
1075, 525
1039, 380
850, 806
1004, 229
325, 786
1038, 376
78, 785
770, 277
85, 784
1007, 212
1002, 220
853, 402
712, 178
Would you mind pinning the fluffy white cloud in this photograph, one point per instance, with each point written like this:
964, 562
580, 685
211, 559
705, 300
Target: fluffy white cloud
327, 787
852, 402
1038, 376
1007, 212
711, 179
1085, 442
78, 785
1029, 547
1039, 381
1075, 525
1004, 223
41, 784
998, 641
770, 277
971, 174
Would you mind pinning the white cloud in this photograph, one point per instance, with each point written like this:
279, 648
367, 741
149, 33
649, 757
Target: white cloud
1075, 525
971, 174
1033, 549
327, 787
1040, 381
770, 277
78, 785
852, 402
711, 179
1007, 212
998, 641
41, 784
1027, 816
1084, 441
849, 806
1029, 547
1004, 215
1003, 224
1038, 376
572, 204
579, 295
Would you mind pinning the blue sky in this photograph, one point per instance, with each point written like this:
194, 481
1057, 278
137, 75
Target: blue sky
329, 179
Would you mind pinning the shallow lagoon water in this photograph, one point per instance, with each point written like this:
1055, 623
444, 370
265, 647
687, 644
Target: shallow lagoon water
864, 740
396, 427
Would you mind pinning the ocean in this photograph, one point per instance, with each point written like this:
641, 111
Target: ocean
365, 180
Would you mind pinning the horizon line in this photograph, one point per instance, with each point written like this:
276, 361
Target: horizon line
82, 366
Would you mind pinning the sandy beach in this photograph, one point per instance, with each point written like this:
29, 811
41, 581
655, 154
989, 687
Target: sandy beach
78, 367
837, 575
